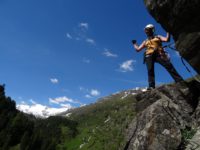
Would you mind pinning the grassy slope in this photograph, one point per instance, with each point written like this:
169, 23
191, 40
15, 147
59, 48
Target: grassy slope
102, 125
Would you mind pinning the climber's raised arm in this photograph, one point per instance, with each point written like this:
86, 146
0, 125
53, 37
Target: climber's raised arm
166, 38
137, 47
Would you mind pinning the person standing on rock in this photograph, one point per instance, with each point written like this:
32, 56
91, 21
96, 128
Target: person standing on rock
156, 53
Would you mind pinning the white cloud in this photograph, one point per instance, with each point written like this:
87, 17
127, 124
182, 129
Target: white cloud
94, 92
83, 89
32, 101
54, 80
81, 33
87, 61
88, 96
127, 66
69, 36
63, 99
90, 93
20, 98
108, 53
90, 41
23, 102
42, 110
65, 105
84, 25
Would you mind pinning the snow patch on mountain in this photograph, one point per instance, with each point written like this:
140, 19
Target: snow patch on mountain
41, 111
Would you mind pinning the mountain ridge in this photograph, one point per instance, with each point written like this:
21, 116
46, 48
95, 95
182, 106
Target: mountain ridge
127, 120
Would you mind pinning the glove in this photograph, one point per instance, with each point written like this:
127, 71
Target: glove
134, 41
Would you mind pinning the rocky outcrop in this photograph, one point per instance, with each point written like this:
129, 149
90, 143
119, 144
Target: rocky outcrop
181, 18
193, 144
163, 116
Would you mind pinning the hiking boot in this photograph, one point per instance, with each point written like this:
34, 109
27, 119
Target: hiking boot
182, 83
150, 88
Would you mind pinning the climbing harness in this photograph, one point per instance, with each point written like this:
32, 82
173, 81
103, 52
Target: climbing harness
155, 48
171, 46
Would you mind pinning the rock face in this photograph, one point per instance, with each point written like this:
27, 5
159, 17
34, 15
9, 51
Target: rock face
194, 142
163, 115
182, 19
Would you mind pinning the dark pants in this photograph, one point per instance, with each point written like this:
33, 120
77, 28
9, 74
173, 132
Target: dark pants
150, 61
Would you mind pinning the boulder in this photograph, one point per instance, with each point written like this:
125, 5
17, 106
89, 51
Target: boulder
163, 114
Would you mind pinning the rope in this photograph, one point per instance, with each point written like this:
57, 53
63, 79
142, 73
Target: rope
182, 60
170, 45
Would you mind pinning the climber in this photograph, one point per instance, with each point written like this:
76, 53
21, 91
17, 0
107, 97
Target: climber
156, 53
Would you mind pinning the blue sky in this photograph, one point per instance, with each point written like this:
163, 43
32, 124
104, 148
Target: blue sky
72, 52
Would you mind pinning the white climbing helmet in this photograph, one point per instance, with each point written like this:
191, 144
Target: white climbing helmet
150, 26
